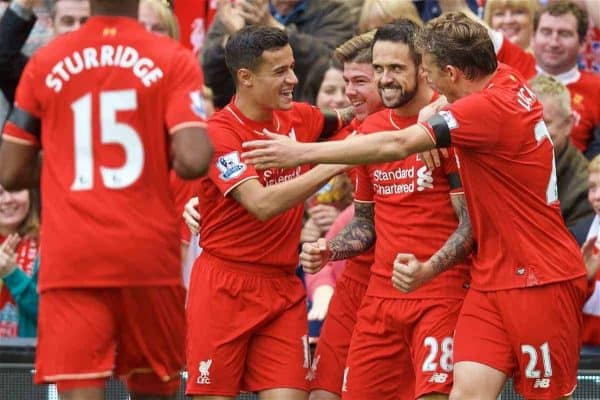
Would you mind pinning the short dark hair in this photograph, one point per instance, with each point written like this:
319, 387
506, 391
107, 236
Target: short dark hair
455, 39
244, 48
562, 7
402, 30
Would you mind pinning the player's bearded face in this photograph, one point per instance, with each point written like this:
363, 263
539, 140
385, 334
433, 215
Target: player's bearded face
396, 94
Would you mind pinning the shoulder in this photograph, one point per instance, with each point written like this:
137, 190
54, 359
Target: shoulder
375, 122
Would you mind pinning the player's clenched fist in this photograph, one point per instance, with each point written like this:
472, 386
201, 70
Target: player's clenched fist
409, 273
314, 256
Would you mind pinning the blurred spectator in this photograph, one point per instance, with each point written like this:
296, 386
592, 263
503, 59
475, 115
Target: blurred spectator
157, 17
19, 227
560, 30
326, 87
15, 27
559, 33
434, 8
571, 165
589, 57
586, 233
376, 13
315, 28
513, 18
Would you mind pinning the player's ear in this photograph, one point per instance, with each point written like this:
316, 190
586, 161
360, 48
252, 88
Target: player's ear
244, 77
452, 72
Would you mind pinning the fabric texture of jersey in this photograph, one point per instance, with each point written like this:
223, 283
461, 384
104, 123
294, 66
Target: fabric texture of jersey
408, 191
228, 230
107, 95
507, 169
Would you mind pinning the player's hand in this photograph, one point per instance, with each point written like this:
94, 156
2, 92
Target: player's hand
323, 216
320, 303
433, 158
314, 256
8, 257
409, 273
432, 108
276, 151
591, 257
310, 232
191, 216
230, 16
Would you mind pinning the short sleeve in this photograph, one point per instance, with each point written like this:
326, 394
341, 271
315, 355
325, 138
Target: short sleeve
363, 186
227, 170
186, 105
23, 124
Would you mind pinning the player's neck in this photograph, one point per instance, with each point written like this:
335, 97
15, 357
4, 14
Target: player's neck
472, 86
252, 110
115, 9
422, 98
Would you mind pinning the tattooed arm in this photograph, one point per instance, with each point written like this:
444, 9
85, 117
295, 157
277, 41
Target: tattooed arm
357, 237
460, 244
409, 273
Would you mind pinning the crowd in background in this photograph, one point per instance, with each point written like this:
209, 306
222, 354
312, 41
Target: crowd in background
567, 49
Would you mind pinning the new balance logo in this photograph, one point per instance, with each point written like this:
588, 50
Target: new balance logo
541, 383
203, 368
438, 377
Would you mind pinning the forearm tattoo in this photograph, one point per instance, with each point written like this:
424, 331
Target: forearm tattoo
460, 244
346, 115
358, 236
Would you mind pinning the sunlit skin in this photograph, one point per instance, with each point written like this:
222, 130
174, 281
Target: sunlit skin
148, 18
514, 23
332, 93
361, 89
14, 207
556, 43
70, 15
558, 122
395, 73
269, 87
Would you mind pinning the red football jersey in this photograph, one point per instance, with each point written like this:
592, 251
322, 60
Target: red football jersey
584, 88
506, 163
413, 214
107, 96
228, 230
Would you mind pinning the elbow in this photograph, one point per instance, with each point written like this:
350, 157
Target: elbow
194, 165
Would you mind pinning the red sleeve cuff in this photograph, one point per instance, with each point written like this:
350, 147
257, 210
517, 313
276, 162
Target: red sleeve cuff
15, 134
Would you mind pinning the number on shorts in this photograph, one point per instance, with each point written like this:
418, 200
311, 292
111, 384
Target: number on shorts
111, 131
445, 359
530, 371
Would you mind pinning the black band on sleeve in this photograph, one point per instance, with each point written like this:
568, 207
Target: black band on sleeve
454, 181
25, 121
330, 126
440, 130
